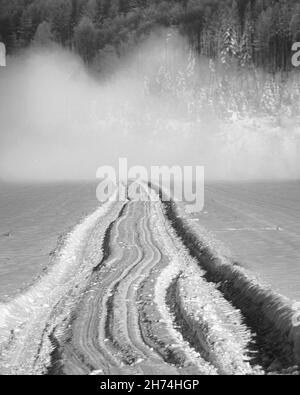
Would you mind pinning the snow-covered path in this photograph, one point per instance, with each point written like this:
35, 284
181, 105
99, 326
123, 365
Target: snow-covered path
125, 297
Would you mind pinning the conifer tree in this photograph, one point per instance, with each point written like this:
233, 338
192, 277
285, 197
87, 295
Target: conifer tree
246, 50
230, 36
85, 36
43, 35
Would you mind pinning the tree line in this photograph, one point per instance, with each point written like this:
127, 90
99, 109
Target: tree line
246, 33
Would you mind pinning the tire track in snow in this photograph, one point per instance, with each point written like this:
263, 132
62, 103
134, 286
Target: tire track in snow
114, 317
27, 322
106, 331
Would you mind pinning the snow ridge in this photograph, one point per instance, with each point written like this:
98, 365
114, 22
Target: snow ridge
25, 318
273, 318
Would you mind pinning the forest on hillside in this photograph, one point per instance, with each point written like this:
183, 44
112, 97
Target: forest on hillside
244, 32
237, 58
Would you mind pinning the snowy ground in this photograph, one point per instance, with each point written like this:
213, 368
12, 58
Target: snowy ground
105, 306
132, 290
258, 224
32, 219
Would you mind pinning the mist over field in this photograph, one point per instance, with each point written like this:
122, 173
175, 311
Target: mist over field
59, 121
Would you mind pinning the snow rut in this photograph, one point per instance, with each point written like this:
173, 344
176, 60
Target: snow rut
26, 324
127, 297
272, 318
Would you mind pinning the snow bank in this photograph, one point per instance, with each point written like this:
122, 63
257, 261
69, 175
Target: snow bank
217, 326
212, 321
26, 322
274, 318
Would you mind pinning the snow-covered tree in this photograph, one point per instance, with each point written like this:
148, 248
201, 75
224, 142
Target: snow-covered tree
230, 36
246, 48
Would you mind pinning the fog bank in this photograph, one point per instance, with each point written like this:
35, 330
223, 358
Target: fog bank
60, 122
